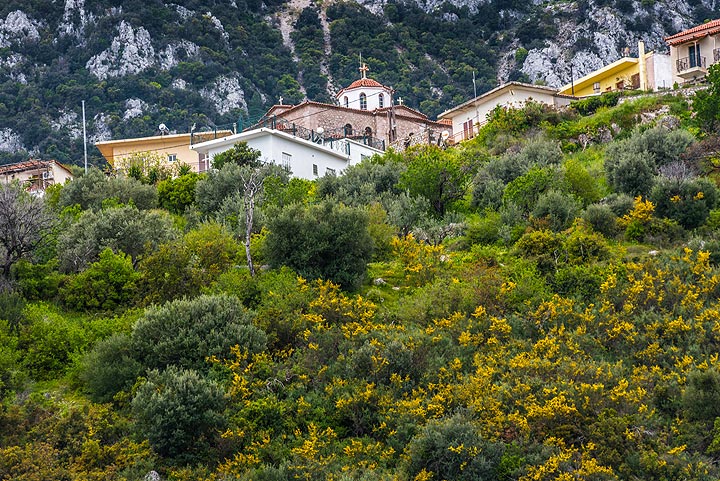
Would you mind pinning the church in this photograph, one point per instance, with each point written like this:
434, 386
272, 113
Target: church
365, 111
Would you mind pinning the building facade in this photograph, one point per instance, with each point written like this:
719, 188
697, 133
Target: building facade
168, 150
365, 111
35, 175
468, 117
694, 50
649, 71
307, 158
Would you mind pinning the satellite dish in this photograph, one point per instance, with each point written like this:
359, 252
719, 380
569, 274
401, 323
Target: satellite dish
445, 134
320, 130
163, 129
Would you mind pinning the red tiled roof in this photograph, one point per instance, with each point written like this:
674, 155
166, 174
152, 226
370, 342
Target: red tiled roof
360, 83
23, 166
694, 33
364, 82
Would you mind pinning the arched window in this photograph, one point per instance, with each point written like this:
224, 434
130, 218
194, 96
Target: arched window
348, 130
346, 102
381, 100
368, 132
363, 101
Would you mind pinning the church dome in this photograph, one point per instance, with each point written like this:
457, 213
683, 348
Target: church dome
364, 82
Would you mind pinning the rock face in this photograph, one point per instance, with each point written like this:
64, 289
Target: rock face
226, 94
10, 141
18, 28
131, 52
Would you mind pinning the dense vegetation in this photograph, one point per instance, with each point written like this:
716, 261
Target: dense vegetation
538, 317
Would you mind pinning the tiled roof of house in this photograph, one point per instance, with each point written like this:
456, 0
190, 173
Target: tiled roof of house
694, 33
24, 166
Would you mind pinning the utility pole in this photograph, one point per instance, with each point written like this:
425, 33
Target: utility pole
84, 136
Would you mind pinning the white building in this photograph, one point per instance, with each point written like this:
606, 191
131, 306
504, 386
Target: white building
365, 94
307, 158
467, 117
35, 175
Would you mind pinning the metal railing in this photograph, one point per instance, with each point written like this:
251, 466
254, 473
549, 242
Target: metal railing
686, 63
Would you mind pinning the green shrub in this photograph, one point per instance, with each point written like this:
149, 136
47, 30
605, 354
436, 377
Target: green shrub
602, 219
487, 192
49, 342
688, 201
581, 183
329, 241
106, 285
37, 281
525, 190
452, 448
590, 105
543, 246
186, 332
620, 204
483, 229
580, 281
179, 412
177, 194
558, 208
110, 367
631, 173
701, 398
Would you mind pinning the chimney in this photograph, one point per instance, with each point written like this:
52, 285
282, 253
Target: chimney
643, 65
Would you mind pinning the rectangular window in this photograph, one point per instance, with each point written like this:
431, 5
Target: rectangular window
596, 87
315, 170
286, 159
172, 157
468, 129
694, 51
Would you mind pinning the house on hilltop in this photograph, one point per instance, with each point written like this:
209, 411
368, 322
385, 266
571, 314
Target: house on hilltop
365, 112
468, 117
649, 71
306, 154
169, 150
35, 175
694, 50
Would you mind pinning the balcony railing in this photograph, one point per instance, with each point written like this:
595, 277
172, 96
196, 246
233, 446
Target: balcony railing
687, 63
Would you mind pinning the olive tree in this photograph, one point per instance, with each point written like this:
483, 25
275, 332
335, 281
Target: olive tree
25, 224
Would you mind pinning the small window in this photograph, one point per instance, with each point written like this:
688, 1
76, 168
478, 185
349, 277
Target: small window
315, 170
381, 100
172, 157
348, 130
596, 87
286, 159
368, 132
346, 101
363, 101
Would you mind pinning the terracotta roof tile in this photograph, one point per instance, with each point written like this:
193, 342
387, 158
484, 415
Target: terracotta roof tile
699, 31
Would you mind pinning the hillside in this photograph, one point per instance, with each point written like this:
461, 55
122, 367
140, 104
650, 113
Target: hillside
538, 303
141, 63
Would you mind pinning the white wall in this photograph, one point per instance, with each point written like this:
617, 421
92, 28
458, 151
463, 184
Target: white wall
512, 97
307, 160
372, 95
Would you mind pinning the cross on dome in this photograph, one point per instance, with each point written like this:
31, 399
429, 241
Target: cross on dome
363, 70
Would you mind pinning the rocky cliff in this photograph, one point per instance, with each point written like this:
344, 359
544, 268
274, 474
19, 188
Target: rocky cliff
141, 63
